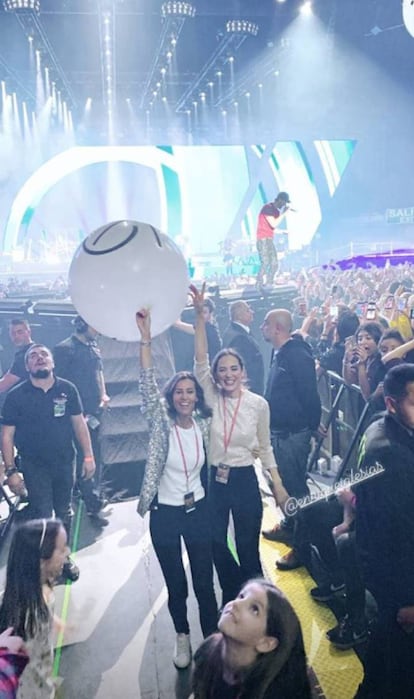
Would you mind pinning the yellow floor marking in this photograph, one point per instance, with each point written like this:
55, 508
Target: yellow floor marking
339, 672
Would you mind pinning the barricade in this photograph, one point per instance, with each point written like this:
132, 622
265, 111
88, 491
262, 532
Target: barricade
345, 414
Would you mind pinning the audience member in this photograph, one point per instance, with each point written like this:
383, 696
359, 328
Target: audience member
239, 433
13, 660
331, 358
362, 363
239, 336
385, 539
295, 410
37, 554
174, 490
258, 651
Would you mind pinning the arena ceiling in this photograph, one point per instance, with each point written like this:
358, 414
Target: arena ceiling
155, 54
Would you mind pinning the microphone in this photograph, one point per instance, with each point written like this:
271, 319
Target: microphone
294, 211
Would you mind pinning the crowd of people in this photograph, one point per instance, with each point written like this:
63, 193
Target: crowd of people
208, 431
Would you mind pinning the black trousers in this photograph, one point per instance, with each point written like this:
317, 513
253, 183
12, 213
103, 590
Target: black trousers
167, 525
241, 497
49, 487
355, 586
90, 488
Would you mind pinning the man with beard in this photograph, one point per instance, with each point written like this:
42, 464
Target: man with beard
40, 417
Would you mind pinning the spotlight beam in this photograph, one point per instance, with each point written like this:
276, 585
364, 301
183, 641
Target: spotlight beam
171, 26
228, 41
108, 55
15, 78
251, 76
32, 26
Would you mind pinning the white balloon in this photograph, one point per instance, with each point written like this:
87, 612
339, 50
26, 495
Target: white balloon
125, 266
408, 16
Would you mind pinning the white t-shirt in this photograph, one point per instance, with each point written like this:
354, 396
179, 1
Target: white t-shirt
174, 483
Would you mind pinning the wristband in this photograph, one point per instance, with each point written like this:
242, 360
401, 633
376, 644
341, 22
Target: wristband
11, 470
145, 343
89, 459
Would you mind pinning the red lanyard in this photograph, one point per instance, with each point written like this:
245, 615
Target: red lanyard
226, 439
182, 451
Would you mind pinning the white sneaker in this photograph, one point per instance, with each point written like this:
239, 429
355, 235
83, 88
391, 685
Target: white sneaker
182, 651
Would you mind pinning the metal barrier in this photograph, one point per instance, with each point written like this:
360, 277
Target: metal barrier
345, 414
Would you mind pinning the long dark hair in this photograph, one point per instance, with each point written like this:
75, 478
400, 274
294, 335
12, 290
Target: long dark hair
282, 669
23, 606
225, 352
201, 406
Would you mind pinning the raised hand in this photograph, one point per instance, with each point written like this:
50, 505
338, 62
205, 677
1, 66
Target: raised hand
143, 321
197, 297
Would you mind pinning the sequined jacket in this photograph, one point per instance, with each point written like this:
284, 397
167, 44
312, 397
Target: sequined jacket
155, 409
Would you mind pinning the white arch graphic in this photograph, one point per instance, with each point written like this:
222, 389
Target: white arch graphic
55, 169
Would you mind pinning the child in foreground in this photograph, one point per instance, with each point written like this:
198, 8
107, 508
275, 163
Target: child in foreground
37, 554
258, 652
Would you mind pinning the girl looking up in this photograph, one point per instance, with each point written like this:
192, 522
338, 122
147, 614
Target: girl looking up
37, 554
258, 651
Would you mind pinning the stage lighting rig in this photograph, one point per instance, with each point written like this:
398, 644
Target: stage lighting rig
242, 26
27, 14
237, 31
174, 14
22, 5
174, 8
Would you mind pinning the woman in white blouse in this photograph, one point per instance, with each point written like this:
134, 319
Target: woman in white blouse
239, 433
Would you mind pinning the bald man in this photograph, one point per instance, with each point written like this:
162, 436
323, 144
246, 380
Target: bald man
295, 411
239, 336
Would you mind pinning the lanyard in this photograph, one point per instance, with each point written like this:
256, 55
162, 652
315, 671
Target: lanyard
182, 452
227, 438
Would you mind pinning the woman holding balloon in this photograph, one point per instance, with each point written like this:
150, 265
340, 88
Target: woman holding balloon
174, 490
239, 433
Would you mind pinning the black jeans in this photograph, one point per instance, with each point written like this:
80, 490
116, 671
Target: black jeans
291, 450
167, 525
241, 497
49, 488
90, 488
354, 584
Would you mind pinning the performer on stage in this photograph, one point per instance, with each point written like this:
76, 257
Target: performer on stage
270, 218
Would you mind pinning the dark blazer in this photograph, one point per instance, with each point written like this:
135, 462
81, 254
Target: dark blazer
247, 346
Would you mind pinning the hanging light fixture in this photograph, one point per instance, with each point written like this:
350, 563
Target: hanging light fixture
178, 9
241, 26
21, 5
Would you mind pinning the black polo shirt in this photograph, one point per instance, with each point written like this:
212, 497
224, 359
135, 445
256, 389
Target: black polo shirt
42, 420
80, 362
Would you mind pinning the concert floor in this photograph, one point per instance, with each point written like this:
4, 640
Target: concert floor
119, 638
